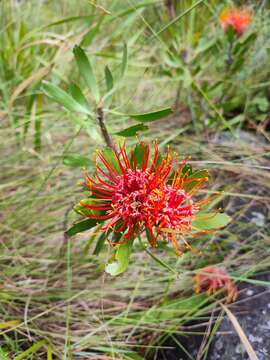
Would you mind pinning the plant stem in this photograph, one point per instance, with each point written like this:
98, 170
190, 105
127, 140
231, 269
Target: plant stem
170, 5
230, 56
104, 131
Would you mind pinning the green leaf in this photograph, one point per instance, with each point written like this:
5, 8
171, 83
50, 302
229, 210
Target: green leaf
187, 169
86, 71
230, 33
261, 102
90, 35
76, 160
110, 156
63, 98
100, 243
152, 116
121, 259
108, 78
237, 64
132, 130
124, 60
77, 95
82, 226
139, 153
243, 44
67, 20
199, 176
31, 350
211, 221
83, 210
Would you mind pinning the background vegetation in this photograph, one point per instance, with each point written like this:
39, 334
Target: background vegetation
55, 300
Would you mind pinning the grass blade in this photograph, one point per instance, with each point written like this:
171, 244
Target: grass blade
251, 353
33, 349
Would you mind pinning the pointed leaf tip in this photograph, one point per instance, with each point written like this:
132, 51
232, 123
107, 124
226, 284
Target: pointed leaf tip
211, 221
153, 115
121, 259
86, 71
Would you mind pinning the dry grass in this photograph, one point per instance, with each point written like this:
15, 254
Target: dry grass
56, 291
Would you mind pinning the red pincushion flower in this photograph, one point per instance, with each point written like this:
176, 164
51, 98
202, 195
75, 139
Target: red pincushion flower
212, 279
138, 193
239, 19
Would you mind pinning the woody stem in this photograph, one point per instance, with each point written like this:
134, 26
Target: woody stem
103, 128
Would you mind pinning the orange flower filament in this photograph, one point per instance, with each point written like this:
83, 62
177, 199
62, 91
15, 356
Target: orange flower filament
136, 194
239, 19
212, 279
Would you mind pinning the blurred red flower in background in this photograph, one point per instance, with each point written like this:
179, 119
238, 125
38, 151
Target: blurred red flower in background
212, 279
238, 19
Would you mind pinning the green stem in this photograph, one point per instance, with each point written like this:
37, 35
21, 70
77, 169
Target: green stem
159, 261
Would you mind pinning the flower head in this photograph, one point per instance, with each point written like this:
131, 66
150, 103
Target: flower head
212, 279
239, 19
138, 192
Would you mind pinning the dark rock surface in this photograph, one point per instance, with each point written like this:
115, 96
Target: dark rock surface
253, 314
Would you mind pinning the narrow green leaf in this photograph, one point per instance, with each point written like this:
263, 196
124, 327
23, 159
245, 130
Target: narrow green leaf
37, 135
85, 211
67, 20
63, 98
152, 116
187, 169
134, 8
76, 160
110, 156
38, 122
4, 355
49, 353
29, 106
243, 44
132, 130
133, 356
10, 323
211, 221
90, 35
100, 243
77, 95
121, 259
124, 60
33, 349
108, 78
82, 226
176, 19
86, 71
199, 177
230, 33
140, 153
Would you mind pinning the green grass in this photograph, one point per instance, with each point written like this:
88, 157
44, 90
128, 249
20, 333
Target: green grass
63, 304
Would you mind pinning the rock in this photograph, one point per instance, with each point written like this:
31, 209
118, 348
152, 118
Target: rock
258, 218
226, 343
